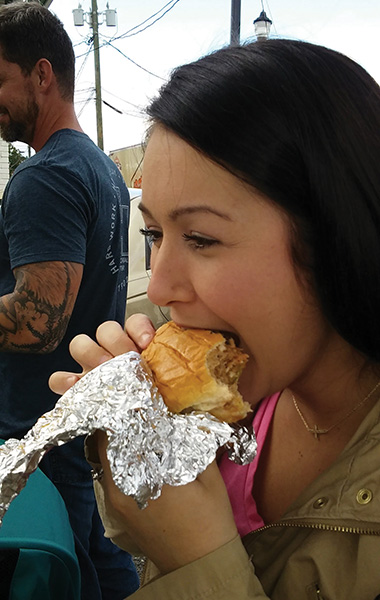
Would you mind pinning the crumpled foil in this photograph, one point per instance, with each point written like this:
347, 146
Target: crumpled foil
148, 446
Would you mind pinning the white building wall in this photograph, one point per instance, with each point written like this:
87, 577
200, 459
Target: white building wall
4, 165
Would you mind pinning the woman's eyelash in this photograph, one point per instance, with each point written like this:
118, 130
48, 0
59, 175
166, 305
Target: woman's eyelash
152, 235
199, 241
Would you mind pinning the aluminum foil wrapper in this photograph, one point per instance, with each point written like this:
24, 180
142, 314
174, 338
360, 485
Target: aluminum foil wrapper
148, 446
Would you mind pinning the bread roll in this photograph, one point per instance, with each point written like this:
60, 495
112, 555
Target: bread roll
196, 369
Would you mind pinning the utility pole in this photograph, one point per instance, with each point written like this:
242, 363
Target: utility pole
235, 22
92, 18
98, 88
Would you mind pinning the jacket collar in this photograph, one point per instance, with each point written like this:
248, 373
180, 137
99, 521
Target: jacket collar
347, 494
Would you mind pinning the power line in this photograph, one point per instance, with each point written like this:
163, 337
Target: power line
86, 102
135, 63
123, 112
270, 15
129, 34
122, 99
95, 46
90, 95
80, 70
113, 107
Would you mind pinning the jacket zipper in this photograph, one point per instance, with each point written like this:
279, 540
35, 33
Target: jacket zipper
320, 526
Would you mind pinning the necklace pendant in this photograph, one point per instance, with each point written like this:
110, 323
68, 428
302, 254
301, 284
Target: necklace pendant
317, 432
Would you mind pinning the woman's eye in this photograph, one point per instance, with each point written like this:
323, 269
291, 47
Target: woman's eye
198, 241
152, 235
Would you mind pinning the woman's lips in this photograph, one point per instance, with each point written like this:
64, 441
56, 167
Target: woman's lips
229, 335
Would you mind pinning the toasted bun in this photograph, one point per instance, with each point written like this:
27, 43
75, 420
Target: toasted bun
196, 369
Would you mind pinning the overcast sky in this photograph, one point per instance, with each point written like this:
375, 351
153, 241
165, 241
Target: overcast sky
135, 64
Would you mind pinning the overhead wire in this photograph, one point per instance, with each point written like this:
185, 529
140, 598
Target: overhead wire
113, 107
122, 99
80, 70
129, 32
107, 41
135, 63
270, 14
86, 102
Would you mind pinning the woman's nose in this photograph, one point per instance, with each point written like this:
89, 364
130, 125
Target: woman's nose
169, 281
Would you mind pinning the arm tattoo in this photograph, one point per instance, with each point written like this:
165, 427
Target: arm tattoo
34, 317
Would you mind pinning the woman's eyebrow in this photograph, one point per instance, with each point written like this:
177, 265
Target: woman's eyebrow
144, 209
186, 210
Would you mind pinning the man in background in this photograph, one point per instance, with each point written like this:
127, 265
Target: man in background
63, 263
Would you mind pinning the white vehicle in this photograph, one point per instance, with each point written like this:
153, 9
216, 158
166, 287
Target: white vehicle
139, 267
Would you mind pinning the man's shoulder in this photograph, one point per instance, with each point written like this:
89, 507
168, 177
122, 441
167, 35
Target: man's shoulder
71, 151
67, 141
69, 160
63, 146
74, 149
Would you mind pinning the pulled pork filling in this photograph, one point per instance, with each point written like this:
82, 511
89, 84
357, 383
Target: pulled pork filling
225, 362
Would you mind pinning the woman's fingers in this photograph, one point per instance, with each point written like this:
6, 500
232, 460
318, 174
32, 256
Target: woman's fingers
140, 329
112, 340
88, 353
138, 332
61, 381
112, 337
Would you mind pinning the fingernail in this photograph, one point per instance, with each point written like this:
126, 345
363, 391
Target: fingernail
145, 340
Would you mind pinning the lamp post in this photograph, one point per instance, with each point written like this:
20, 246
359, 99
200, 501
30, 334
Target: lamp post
92, 19
262, 26
235, 22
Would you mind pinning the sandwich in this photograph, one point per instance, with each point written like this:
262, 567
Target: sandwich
197, 370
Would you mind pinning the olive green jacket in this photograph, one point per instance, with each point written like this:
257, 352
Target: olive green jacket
326, 547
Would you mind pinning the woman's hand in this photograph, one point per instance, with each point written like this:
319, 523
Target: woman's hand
112, 340
185, 523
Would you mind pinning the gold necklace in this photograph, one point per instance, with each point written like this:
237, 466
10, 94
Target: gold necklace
317, 431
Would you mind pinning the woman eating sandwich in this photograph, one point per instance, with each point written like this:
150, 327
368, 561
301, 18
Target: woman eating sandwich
261, 198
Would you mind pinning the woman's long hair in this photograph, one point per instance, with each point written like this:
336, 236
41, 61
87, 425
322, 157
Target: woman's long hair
300, 123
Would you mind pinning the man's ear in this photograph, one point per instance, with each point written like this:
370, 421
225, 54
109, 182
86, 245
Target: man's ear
43, 74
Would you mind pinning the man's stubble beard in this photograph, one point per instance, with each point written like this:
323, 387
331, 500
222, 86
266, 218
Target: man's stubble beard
23, 128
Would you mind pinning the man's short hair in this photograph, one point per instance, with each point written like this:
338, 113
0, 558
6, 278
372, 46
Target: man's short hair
29, 32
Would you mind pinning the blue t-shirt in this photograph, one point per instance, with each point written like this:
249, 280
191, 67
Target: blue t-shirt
68, 202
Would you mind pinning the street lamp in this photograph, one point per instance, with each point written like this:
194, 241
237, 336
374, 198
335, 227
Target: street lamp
92, 19
262, 26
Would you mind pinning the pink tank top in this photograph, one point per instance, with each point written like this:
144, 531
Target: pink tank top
239, 479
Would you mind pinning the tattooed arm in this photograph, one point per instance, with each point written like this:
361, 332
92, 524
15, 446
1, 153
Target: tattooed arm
34, 317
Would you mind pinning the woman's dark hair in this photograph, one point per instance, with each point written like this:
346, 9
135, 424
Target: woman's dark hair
28, 32
300, 123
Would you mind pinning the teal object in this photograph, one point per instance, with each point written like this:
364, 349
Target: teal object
38, 525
